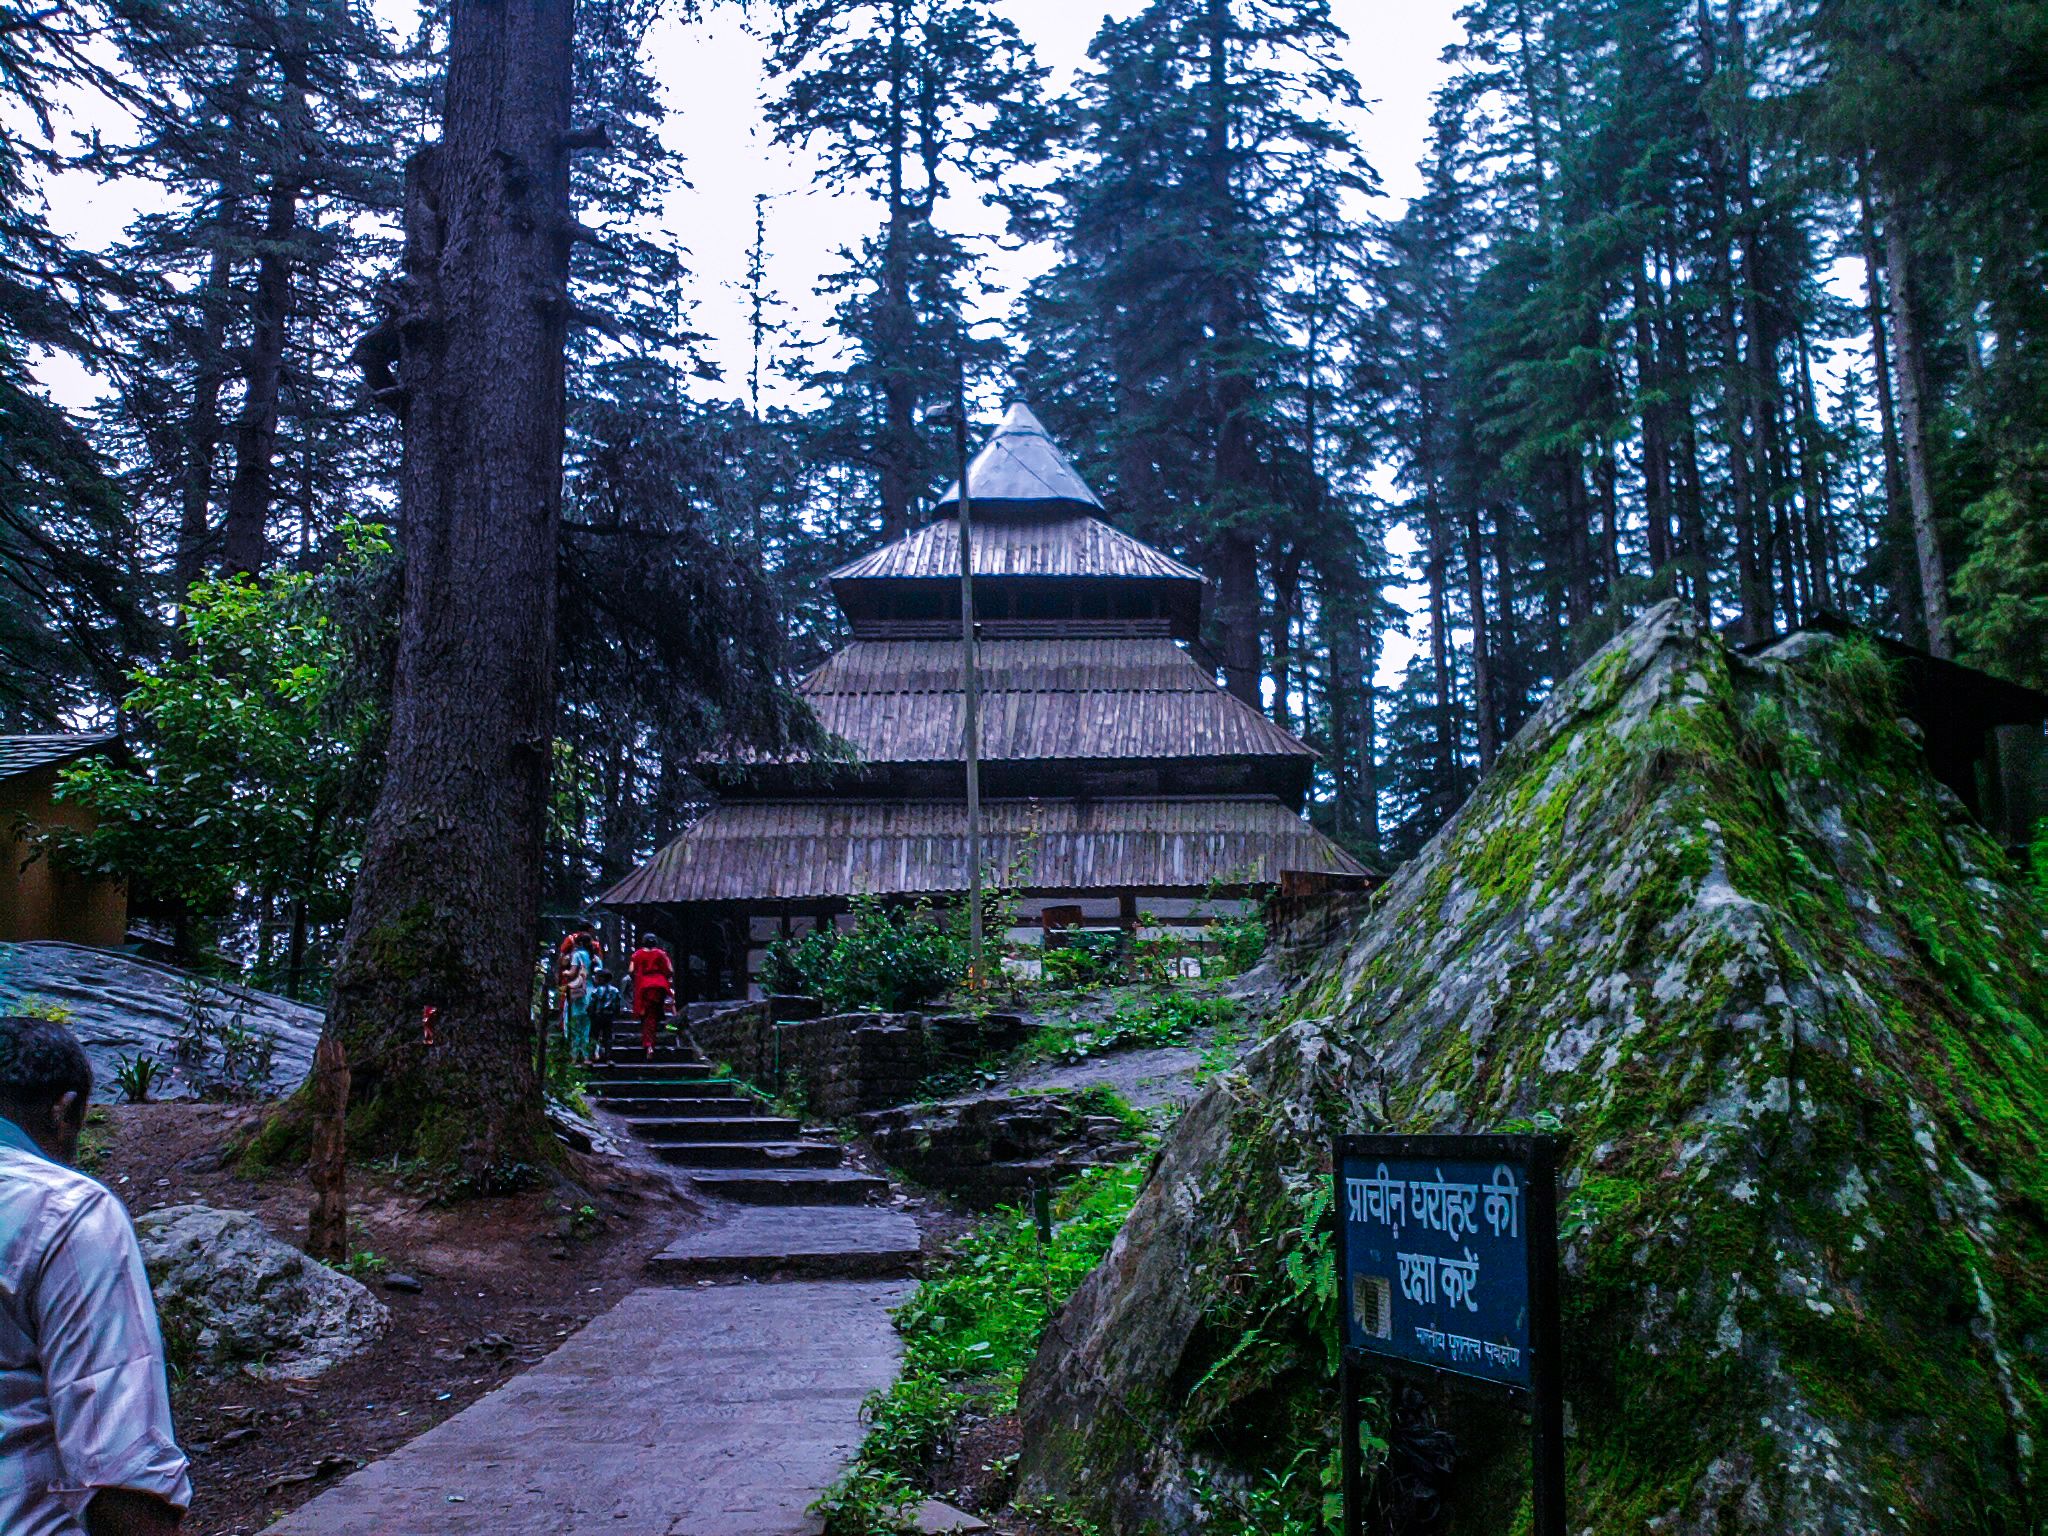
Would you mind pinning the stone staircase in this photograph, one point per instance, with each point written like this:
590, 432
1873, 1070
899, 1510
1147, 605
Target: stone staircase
726, 1142
789, 1204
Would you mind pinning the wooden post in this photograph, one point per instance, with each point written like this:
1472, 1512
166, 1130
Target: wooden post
970, 689
327, 1232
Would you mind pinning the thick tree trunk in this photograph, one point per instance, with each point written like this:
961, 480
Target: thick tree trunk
1905, 585
245, 544
1913, 435
202, 427
1286, 599
1237, 613
446, 910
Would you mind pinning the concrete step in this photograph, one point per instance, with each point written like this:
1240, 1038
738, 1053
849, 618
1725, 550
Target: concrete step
705, 1128
752, 1154
811, 1240
793, 1186
667, 1088
631, 1069
658, 1088
669, 1109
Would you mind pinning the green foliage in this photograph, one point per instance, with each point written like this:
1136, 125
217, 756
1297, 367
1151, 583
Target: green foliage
978, 1317
136, 1075
364, 1265
1240, 941
893, 958
1164, 1019
1303, 1498
981, 1314
1085, 958
2038, 856
256, 772
223, 1053
44, 1008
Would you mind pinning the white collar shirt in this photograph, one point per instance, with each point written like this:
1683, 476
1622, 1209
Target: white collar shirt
84, 1403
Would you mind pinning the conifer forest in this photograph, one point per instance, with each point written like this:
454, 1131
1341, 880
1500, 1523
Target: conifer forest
1517, 614
1732, 302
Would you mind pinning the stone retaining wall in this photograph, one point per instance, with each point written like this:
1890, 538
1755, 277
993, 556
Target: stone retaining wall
845, 1064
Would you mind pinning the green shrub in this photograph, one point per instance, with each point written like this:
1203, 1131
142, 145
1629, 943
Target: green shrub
1086, 959
1240, 942
1166, 1019
894, 958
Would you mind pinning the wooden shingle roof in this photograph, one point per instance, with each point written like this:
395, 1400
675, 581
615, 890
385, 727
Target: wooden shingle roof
751, 851
25, 754
899, 701
1061, 546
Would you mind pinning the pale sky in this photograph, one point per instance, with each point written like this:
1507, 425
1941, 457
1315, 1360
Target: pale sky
712, 76
712, 71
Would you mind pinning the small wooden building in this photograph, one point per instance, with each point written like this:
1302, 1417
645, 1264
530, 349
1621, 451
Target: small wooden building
1115, 773
37, 901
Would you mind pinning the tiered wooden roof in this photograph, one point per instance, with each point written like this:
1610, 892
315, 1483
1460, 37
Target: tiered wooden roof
1104, 745
811, 850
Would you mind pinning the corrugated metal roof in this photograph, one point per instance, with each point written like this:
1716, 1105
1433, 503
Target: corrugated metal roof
899, 701
790, 850
1060, 546
25, 754
1022, 463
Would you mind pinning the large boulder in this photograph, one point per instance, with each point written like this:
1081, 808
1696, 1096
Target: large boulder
229, 1294
1712, 917
120, 1006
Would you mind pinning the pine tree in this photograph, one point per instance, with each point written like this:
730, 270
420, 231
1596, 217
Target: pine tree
1207, 182
903, 99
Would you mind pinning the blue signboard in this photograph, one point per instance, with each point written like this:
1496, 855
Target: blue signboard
1440, 1239
1447, 1253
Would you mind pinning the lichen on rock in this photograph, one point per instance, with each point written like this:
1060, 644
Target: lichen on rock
1712, 915
232, 1296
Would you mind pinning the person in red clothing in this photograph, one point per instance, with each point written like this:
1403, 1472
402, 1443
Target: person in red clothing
651, 978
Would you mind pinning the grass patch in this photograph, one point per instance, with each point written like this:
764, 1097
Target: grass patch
968, 1332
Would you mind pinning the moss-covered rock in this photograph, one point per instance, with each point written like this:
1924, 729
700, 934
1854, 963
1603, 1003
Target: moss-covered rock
1712, 915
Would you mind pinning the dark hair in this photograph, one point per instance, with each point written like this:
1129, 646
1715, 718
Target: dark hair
40, 1062
602, 974
648, 941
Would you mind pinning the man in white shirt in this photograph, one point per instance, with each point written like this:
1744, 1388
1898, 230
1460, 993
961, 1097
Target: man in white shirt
85, 1410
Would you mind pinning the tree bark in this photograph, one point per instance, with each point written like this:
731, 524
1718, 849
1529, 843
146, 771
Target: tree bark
1913, 435
1482, 656
447, 903
202, 426
245, 545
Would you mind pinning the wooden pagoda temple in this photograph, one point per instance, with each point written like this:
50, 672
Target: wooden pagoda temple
1114, 771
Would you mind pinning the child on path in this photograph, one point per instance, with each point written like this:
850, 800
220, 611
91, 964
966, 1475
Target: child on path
604, 1011
652, 978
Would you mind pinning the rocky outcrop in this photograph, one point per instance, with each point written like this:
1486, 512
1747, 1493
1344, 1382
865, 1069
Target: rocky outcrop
1711, 917
229, 1294
992, 1148
119, 1007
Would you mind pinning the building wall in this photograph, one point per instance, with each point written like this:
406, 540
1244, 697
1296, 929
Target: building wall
37, 902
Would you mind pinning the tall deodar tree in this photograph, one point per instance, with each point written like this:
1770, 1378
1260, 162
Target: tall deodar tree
471, 356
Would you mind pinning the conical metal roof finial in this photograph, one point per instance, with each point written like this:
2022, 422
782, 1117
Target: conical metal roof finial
1022, 463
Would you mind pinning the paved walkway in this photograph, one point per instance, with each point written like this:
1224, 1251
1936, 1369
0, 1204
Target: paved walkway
702, 1411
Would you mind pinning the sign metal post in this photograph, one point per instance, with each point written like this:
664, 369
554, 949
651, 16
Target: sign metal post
1447, 1259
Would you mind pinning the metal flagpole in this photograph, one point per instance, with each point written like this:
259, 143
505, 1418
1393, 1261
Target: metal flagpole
970, 689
